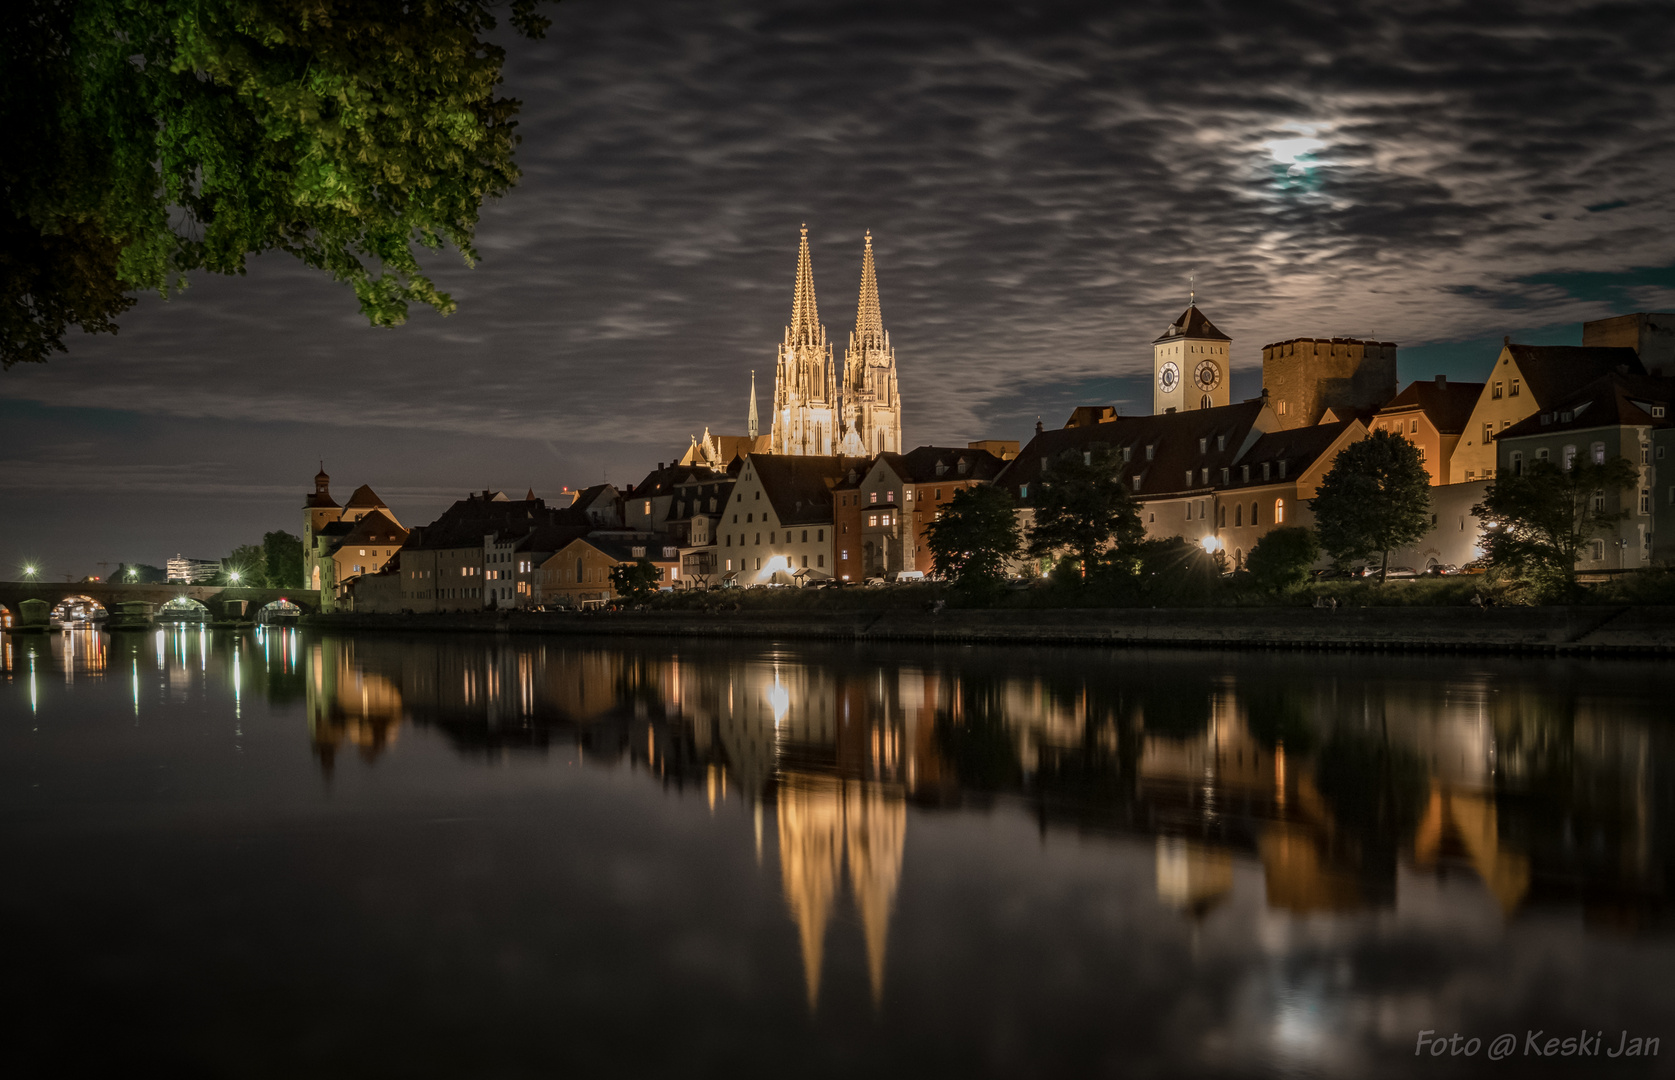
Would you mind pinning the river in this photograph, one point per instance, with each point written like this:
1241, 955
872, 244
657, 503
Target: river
281, 854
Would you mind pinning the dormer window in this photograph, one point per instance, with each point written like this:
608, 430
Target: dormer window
1282, 468
1221, 442
1203, 446
1264, 470
1126, 451
1087, 457
1189, 478
963, 466
1151, 448
1244, 474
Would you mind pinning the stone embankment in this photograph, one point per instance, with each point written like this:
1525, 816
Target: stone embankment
1581, 631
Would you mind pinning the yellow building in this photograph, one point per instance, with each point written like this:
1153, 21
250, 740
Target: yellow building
1525, 380
579, 573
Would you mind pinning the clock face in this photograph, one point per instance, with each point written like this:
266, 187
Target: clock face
1168, 376
1207, 375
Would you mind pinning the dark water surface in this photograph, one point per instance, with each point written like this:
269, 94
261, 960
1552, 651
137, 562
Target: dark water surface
282, 855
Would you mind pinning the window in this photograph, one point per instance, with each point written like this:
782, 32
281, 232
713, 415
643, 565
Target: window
1023, 489
872, 521
1599, 550
1645, 500
805, 562
1136, 479
1597, 452
1221, 517
844, 555
1413, 426
1497, 392
1189, 478
758, 562
1599, 502
820, 560
820, 536
889, 496
1541, 454
758, 540
1150, 449
1253, 515
874, 496
1488, 433
1514, 388
1569, 457
1087, 457
1205, 402
772, 539
1517, 463
1226, 475
1239, 514
1203, 446
1264, 471
1221, 442
1189, 510
647, 508
1279, 511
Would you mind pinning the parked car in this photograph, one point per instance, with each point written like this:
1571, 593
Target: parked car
1400, 572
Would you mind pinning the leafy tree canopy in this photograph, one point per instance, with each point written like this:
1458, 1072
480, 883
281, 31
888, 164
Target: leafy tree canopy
282, 557
1084, 507
1377, 497
249, 562
149, 138
1536, 523
1282, 557
973, 539
636, 580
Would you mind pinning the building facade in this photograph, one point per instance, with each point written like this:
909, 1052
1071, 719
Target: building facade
776, 528
1432, 416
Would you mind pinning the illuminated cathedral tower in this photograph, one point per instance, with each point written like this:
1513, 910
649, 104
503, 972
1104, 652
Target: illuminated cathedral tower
871, 406
805, 418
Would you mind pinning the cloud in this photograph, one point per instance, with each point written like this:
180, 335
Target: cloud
1040, 183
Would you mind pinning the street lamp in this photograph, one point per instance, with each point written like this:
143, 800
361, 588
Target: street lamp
29, 571
1210, 544
234, 576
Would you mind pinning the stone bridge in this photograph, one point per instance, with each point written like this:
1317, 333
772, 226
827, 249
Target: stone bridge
12, 593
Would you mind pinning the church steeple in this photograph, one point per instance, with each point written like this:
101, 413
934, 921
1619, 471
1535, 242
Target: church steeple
869, 321
871, 407
805, 314
805, 414
751, 430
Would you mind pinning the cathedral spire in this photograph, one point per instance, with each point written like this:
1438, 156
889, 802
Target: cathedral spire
805, 316
869, 321
752, 429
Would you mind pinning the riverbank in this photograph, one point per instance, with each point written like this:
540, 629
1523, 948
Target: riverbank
1580, 631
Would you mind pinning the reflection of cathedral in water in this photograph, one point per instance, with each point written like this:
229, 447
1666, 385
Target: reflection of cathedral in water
825, 823
1342, 792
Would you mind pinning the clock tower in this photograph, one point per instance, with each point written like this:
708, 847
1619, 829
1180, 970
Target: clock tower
1190, 365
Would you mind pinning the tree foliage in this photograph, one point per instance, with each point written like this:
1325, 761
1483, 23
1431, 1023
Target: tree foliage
249, 562
1376, 497
149, 138
1536, 523
974, 538
635, 580
282, 558
1083, 507
1282, 557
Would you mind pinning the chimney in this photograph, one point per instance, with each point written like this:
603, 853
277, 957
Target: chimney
1442, 382
1038, 425
1506, 339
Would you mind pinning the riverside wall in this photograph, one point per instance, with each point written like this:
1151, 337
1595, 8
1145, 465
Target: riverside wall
1584, 631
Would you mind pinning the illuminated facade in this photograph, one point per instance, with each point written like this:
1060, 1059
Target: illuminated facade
871, 401
805, 415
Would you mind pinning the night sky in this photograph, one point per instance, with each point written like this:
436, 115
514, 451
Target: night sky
1041, 182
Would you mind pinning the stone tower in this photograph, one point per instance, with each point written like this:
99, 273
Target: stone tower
871, 405
805, 418
1304, 377
1190, 365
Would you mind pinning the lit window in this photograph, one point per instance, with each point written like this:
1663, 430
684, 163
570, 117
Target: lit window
1279, 511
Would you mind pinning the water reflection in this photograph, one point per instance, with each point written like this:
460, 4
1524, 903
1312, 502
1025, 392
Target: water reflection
1327, 789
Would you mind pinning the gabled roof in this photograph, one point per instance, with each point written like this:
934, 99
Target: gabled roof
591, 495
799, 486
374, 527
1614, 400
1192, 324
1174, 438
1447, 405
466, 522
1552, 371
1298, 448
620, 545
664, 481
920, 465
364, 497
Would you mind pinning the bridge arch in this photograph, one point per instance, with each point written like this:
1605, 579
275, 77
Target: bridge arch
183, 609
77, 609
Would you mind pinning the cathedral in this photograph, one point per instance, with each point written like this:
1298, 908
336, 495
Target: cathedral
810, 416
